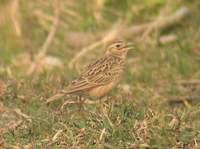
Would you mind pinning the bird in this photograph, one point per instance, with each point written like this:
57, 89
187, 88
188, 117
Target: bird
101, 76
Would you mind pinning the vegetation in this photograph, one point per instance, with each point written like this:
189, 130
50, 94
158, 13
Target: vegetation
156, 104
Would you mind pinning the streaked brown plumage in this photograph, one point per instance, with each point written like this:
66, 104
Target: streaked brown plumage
100, 76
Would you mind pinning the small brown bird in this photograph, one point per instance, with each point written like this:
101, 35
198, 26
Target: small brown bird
100, 76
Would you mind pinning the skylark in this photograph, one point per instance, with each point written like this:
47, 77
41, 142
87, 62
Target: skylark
100, 76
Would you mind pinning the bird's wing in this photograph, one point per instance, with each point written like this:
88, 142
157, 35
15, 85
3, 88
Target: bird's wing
101, 72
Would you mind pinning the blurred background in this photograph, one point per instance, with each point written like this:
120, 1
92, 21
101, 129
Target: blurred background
45, 44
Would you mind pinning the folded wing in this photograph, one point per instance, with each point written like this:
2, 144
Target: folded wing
101, 72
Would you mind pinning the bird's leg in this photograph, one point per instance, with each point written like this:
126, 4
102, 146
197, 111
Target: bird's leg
101, 104
81, 103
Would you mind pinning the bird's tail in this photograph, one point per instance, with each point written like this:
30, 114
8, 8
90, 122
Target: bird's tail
55, 97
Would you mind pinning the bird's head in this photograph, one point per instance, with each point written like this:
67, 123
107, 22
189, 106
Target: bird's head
119, 48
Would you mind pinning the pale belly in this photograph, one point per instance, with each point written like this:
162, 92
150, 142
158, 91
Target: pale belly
101, 90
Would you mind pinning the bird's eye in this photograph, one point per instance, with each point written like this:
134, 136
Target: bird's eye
117, 45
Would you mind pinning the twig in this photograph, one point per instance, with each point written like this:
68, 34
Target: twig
103, 132
144, 145
189, 82
46, 17
70, 12
133, 31
66, 103
160, 23
19, 112
99, 4
14, 17
57, 135
100, 141
167, 38
108, 119
44, 48
183, 99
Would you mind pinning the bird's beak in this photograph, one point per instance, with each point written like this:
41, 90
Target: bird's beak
129, 46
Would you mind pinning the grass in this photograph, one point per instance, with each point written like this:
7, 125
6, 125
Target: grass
141, 111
